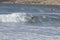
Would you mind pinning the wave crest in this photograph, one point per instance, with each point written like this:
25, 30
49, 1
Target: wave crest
14, 17
26, 17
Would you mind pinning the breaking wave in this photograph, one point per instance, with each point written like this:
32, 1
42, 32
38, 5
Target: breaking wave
25, 17
14, 17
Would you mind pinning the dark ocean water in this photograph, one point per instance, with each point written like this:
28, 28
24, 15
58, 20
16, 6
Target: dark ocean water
16, 23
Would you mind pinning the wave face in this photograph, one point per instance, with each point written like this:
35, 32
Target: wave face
14, 17
43, 15
26, 17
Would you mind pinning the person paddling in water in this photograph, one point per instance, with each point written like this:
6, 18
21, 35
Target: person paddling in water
33, 19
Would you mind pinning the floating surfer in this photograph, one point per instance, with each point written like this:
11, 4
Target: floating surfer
33, 19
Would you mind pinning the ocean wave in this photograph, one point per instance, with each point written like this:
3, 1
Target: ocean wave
27, 17
14, 17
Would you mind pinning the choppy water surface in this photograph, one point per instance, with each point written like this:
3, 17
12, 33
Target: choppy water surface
15, 23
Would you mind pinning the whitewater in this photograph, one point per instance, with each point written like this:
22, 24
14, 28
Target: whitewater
16, 23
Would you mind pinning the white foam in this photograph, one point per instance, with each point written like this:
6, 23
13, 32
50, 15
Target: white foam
14, 17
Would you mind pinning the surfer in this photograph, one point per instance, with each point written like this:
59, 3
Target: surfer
33, 19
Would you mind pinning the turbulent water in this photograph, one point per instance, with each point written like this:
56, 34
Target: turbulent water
16, 23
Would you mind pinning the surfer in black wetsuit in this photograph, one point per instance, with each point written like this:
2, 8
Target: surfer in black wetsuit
33, 19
